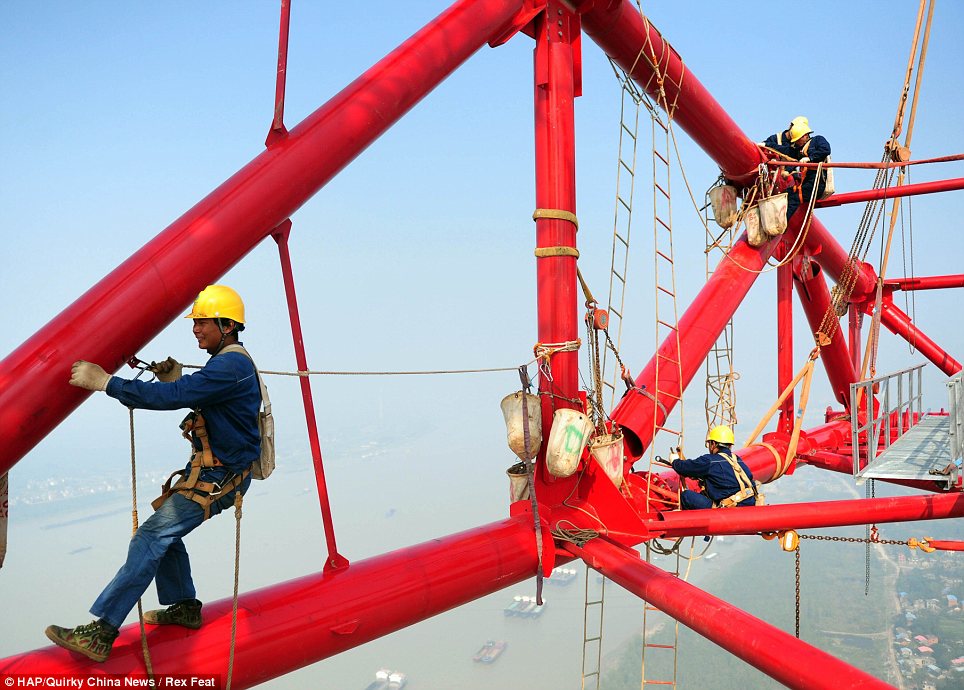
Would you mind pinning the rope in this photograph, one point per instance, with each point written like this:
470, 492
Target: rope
868, 166
238, 499
562, 250
134, 526
529, 462
304, 374
555, 214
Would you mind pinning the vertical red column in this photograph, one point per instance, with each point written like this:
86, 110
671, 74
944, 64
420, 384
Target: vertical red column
556, 69
785, 338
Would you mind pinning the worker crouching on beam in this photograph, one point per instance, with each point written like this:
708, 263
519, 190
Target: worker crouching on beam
725, 480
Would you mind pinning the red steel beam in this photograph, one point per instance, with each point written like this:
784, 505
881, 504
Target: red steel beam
785, 338
618, 28
815, 298
555, 78
755, 641
809, 515
834, 259
925, 282
287, 626
164, 276
899, 323
891, 192
699, 329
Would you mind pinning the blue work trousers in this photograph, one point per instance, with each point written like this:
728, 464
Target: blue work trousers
690, 500
157, 553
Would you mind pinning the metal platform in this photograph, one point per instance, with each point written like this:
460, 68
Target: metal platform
925, 446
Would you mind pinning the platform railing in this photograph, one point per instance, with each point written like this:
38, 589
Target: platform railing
955, 395
899, 406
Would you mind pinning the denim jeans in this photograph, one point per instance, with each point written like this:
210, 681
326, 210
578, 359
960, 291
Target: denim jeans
157, 553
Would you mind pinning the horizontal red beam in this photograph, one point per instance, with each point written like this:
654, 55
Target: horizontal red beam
164, 276
926, 282
891, 192
287, 626
808, 515
780, 655
899, 323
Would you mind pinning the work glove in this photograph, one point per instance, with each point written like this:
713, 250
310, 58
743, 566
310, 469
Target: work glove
797, 178
804, 160
167, 371
88, 375
676, 454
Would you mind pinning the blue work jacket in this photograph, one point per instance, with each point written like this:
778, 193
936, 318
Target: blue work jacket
718, 476
226, 391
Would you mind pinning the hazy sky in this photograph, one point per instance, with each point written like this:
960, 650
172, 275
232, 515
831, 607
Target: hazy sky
119, 117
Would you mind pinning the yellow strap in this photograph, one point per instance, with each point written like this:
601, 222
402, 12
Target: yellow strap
555, 214
545, 252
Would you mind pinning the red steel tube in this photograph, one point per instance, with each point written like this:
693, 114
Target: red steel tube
946, 545
891, 192
834, 259
164, 276
785, 338
617, 27
555, 168
815, 298
335, 560
780, 655
898, 323
925, 282
285, 627
278, 122
699, 329
809, 515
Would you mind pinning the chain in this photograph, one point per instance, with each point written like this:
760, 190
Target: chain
857, 540
796, 560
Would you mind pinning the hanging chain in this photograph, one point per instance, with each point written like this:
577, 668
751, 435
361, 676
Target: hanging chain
796, 564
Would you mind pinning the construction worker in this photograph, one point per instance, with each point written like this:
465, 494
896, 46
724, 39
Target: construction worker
726, 480
223, 429
806, 147
780, 142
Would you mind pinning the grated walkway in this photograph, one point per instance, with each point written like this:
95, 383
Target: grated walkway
925, 447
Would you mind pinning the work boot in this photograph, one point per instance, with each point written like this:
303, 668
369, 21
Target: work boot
186, 613
93, 640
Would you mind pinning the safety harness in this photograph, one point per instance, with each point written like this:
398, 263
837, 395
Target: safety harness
747, 486
190, 486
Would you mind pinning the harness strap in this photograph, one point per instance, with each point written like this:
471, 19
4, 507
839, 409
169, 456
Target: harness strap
747, 487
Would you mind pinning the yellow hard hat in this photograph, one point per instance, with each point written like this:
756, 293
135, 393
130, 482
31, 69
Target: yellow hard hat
721, 434
799, 129
799, 120
218, 302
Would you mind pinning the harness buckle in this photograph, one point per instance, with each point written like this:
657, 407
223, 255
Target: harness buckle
219, 489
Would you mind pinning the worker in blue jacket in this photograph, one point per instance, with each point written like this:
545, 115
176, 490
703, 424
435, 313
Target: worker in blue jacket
726, 480
780, 142
806, 147
225, 399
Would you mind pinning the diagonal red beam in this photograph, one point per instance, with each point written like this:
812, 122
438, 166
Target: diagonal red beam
816, 301
808, 515
164, 276
892, 192
618, 28
287, 626
899, 323
755, 641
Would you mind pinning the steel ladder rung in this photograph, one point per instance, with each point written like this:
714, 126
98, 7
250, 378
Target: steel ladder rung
665, 193
660, 156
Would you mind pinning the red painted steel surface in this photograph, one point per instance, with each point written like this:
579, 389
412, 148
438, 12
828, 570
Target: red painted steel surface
335, 560
810, 515
785, 362
815, 298
891, 192
925, 282
699, 328
780, 655
287, 626
618, 29
167, 273
555, 169
833, 258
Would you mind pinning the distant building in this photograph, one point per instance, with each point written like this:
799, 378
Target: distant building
924, 649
